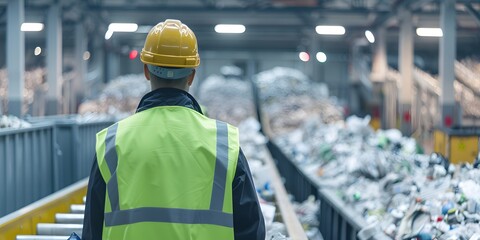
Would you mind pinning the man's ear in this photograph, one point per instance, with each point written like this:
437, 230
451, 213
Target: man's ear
191, 77
146, 72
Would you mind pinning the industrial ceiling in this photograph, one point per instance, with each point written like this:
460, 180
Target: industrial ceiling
271, 24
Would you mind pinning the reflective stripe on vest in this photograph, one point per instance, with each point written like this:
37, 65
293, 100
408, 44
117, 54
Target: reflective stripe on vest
214, 215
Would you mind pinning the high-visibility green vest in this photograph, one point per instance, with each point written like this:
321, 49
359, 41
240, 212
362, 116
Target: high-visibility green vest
169, 173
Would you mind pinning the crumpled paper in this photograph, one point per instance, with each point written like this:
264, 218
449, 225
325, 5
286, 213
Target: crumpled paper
385, 179
13, 122
227, 97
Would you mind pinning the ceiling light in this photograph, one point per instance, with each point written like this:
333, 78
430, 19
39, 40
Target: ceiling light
123, 27
230, 28
370, 37
31, 27
108, 34
330, 30
37, 51
304, 56
321, 57
429, 32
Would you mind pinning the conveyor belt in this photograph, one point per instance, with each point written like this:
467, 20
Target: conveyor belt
65, 224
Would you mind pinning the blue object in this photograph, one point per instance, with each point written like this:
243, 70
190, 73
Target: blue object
446, 207
424, 236
74, 236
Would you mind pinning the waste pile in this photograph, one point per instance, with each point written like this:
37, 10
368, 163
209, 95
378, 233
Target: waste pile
467, 92
94, 117
227, 96
468, 99
307, 212
13, 122
34, 87
470, 69
384, 177
253, 146
120, 97
288, 97
467, 87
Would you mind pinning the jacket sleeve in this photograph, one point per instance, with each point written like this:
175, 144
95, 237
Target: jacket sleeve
94, 206
248, 219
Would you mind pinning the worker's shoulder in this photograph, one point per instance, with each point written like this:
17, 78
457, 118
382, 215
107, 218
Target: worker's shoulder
226, 123
103, 131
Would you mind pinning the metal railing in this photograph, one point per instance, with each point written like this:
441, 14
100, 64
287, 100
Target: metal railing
75, 149
26, 166
44, 158
337, 220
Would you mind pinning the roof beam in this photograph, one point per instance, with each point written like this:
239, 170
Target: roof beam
473, 12
162, 8
207, 3
411, 5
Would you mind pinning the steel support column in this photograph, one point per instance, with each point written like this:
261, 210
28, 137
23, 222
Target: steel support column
405, 60
379, 77
15, 56
379, 63
54, 58
451, 112
112, 63
314, 65
81, 67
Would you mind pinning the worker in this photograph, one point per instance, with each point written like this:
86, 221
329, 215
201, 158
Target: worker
168, 171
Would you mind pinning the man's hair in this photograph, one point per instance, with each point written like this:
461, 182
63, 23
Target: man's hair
168, 82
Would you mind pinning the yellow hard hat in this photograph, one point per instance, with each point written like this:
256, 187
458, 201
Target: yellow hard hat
171, 44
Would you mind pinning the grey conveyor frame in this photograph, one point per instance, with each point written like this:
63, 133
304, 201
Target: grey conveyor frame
337, 220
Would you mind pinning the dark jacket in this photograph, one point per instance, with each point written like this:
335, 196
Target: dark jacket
247, 217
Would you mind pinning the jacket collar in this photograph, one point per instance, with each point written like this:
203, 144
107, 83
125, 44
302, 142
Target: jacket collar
168, 97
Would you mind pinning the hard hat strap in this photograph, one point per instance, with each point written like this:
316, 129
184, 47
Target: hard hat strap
169, 73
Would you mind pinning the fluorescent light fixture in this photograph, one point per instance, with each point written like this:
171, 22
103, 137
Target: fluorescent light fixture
321, 57
230, 28
31, 27
429, 32
108, 34
123, 27
37, 51
144, 29
304, 56
330, 30
369, 36
120, 27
